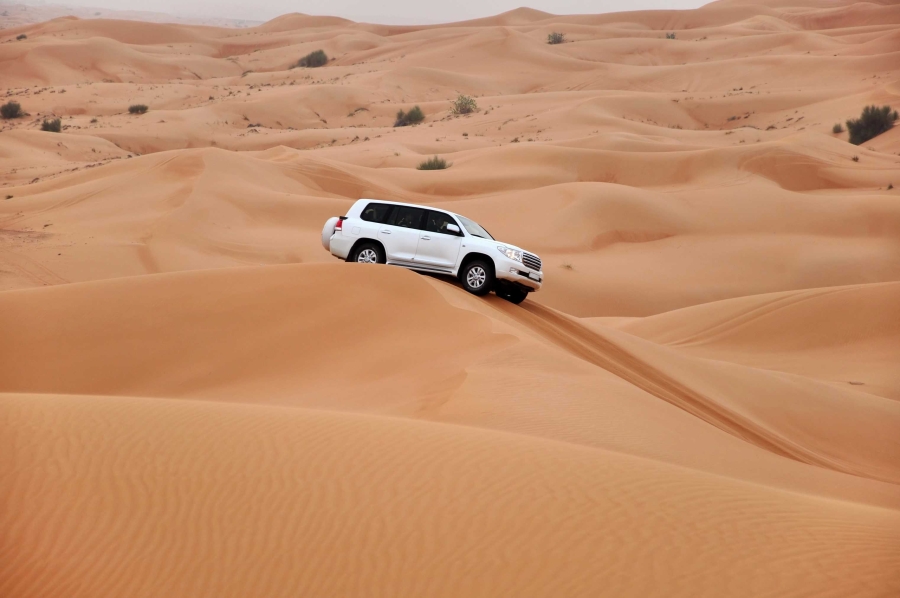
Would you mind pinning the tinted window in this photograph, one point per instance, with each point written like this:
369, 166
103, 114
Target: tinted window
437, 223
376, 212
407, 217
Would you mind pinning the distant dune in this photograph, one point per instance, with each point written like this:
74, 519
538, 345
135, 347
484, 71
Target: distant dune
14, 15
197, 400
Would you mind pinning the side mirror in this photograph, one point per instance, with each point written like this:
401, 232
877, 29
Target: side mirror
453, 229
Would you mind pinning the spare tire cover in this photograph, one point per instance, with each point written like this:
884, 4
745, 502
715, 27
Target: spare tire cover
328, 231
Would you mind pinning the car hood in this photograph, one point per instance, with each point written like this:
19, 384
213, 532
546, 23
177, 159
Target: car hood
488, 243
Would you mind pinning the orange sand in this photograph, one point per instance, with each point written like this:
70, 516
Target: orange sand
703, 401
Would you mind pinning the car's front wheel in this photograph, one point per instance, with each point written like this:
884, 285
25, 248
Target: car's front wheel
368, 253
512, 294
477, 277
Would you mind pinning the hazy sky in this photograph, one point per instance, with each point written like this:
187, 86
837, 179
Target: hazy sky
378, 11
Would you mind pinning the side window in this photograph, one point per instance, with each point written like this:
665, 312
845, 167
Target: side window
437, 223
376, 212
407, 217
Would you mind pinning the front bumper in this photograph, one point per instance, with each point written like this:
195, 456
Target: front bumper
518, 273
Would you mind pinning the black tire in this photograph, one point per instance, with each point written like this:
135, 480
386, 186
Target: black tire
477, 277
512, 294
368, 253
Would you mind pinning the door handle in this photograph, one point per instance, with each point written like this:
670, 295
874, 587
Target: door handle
385, 232
426, 238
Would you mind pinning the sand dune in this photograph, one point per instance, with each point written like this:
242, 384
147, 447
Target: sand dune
197, 400
238, 335
845, 335
14, 15
285, 501
620, 241
283, 316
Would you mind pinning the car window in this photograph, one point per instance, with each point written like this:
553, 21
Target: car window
407, 217
437, 223
377, 212
474, 228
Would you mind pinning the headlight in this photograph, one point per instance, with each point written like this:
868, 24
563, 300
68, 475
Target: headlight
513, 254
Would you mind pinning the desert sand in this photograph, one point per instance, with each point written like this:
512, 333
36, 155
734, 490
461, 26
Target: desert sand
13, 14
703, 401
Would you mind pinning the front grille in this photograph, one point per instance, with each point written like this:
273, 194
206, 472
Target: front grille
531, 260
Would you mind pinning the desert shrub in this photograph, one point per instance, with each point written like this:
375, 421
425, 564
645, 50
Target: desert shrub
872, 122
137, 109
413, 117
464, 105
434, 163
21, 36
556, 38
837, 128
53, 125
670, 35
313, 60
11, 110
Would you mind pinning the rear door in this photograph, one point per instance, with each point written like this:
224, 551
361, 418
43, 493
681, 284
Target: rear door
373, 217
438, 246
400, 235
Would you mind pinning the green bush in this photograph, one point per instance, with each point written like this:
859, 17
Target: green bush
556, 38
11, 110
21, 36
54, 125
138, 109
872, 122
434, 163
464, 105
313, 60
837, 128
413, 117
670, 35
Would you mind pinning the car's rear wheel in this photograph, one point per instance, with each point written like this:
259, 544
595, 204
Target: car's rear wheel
477, 277
368, 253
512, 294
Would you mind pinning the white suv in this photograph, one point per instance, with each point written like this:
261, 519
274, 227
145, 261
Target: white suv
432, 240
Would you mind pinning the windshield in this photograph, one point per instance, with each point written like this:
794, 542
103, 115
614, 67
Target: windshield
474, 228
